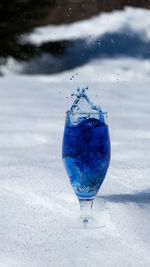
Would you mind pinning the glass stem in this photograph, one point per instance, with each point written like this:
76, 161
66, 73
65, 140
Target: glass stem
86, 210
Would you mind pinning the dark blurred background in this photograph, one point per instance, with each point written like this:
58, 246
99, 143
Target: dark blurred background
23, 16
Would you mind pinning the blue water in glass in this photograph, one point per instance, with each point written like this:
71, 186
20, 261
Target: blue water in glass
86, 155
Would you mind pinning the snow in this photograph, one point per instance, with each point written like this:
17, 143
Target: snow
38, 205
137, 21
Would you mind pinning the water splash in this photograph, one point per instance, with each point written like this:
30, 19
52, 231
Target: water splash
73, 76
82, 103
83, 108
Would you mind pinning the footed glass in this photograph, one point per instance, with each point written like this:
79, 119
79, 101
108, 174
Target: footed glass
86, 156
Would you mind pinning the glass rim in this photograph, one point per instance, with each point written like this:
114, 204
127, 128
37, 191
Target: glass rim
76, 112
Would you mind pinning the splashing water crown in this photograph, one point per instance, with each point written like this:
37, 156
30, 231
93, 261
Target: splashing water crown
83, 108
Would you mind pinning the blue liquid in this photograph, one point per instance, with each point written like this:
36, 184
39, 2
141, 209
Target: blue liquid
86, 155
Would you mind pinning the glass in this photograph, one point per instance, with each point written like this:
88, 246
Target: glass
86, 156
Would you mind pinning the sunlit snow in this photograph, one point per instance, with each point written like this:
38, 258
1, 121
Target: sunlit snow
137, 20
38, 205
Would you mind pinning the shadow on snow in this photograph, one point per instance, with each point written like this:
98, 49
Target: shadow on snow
72, 54
139, 197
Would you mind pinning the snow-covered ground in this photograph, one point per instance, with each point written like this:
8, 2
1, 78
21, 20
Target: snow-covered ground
138, 20
37, 203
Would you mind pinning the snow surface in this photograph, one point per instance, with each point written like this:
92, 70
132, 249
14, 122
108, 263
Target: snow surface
137, 20
38, 205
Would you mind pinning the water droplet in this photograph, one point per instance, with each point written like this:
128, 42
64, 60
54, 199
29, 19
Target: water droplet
70, 10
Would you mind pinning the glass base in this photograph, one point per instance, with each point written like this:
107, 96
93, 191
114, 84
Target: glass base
87, 224
86, 220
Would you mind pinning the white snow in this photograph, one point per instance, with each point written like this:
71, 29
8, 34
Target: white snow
37, 203
137, 20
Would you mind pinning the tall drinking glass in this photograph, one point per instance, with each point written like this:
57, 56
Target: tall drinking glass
86, 156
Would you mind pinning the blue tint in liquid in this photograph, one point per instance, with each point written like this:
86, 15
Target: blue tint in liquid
86, 154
